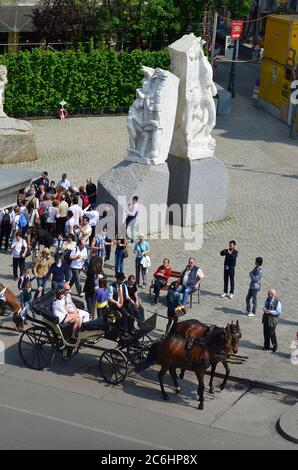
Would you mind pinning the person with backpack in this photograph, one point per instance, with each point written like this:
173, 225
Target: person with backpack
83, 197
41, 269
5, 229
23, 222
19, 250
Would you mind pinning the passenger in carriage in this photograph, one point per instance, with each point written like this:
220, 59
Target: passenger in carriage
60, 311
70, 306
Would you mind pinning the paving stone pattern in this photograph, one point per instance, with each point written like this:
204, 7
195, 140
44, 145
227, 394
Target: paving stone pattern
262, 217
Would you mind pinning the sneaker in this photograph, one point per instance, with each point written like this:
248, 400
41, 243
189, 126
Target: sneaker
231, 296
82, 295
223, 295
274, 349
251, 314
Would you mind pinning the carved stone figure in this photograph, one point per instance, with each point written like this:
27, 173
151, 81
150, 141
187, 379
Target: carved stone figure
17, 141
151, 117
3, 81
196, 111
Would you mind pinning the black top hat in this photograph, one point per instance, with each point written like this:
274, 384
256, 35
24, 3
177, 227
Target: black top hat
120, 276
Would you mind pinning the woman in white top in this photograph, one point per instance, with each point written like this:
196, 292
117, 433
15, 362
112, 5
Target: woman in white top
19, 250
52, 214
60, 311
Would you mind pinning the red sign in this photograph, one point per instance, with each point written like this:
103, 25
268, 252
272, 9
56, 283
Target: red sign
237, 29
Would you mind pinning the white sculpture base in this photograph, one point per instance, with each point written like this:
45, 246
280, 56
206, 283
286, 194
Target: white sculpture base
17, 141
136, 157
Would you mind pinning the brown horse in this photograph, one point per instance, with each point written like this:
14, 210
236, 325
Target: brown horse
10, 299
196, 329
194, 354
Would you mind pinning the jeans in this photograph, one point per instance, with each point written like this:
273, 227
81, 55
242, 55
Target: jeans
252, 293
140, 268
229, 274
18, 263
76, 280
57, 285
186, 291
131, 222
158, 284
119, 257
39, 281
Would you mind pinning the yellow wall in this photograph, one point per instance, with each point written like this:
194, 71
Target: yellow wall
272, 80
276, 43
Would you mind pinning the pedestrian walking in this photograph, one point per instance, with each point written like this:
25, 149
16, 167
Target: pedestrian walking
19, 250
132, 212
254, 287
78, 257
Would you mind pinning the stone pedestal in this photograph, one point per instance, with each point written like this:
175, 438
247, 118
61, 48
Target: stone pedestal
17, 142
11, 181
149, 183
204, 181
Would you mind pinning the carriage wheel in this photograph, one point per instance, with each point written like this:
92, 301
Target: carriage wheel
113, 366
36, 348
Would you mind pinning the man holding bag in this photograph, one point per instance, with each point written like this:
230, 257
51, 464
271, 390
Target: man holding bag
143, 262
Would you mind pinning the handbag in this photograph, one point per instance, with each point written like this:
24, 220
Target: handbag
146, 262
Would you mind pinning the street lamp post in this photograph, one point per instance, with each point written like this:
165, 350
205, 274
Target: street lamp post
231, 85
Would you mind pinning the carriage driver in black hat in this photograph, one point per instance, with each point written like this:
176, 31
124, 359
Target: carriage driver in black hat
118, 298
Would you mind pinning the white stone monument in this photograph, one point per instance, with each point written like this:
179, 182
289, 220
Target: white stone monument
196, 112
151, 117
17, 141
3, 81
196, 176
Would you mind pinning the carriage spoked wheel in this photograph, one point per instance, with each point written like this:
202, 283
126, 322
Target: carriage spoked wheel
139, 350
36, 348
113, 366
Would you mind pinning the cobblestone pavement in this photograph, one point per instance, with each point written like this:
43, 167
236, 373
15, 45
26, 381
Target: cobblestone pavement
261, 216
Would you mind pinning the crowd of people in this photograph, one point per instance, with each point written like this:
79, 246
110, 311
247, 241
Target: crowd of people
55, 218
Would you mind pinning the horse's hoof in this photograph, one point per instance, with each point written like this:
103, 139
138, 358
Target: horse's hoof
177, 389
166, 396
211, 390
201, 406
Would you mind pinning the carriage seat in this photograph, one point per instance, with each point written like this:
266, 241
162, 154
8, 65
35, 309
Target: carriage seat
98, 324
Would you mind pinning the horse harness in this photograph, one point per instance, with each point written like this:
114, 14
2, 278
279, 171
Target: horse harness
193, 341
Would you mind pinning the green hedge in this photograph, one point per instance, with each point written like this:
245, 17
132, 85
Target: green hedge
99, 79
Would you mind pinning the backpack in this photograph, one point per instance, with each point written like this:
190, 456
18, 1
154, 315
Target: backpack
85, 201
23, 222
66, 257
5, 220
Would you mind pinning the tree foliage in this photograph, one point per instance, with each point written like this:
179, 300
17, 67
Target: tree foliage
128, 24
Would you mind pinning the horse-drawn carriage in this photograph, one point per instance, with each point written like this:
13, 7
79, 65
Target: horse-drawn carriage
190, 345
39, 342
